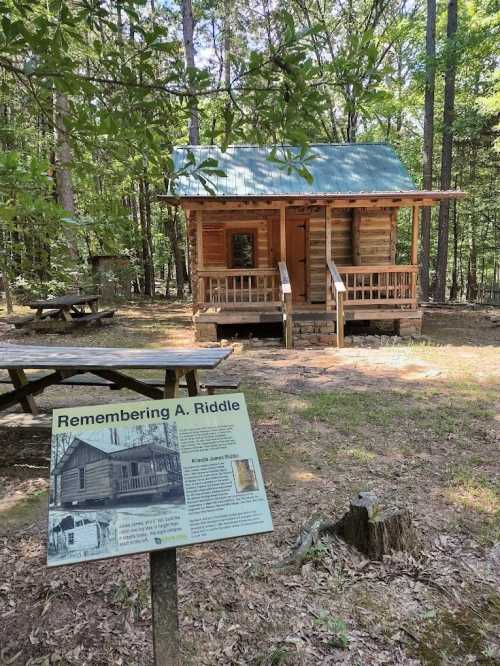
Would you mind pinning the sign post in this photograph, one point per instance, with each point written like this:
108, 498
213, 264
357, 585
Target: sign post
150, 476
163, 572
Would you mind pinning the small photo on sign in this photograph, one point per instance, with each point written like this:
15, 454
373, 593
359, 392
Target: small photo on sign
244, 476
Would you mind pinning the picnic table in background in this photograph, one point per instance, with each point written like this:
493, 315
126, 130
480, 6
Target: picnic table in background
62, 314
62, 363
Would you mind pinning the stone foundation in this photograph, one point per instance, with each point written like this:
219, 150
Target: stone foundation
205, 332
408, 327
312, 332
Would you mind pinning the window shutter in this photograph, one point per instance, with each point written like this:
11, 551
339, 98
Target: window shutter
214, 245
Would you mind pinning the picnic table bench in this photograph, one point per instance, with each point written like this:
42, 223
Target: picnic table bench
63, 314
105, 363
89, 379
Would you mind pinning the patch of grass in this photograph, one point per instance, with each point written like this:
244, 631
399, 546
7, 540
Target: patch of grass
350, 409
360, 454
391, 411
477, 495
317, 552
135, 600
264, 403
335, 627
26, 510
448, 637
272, 450
278, 655
474, 491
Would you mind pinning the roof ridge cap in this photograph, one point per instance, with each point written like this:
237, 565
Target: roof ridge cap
284, 145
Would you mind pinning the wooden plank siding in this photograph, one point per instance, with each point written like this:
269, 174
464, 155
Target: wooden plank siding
341, 220
376, 237
216, 228
97, 482
359, 236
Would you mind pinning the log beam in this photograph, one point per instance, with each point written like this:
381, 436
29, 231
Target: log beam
414, 234
356, 238
283, 233
328, 254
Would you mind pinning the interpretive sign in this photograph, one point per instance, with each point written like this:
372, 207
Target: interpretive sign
144, 476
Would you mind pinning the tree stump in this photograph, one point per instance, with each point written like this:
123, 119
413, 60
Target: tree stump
365, 526
374, 532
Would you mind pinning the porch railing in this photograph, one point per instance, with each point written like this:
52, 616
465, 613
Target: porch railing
145, 481
380, 285
239, 288
335, 295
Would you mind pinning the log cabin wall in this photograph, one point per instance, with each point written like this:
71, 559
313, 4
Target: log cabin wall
360, 236
341, 221
374, 236
216, 228
97, 482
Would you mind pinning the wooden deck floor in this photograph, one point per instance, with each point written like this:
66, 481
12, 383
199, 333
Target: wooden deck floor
306, 311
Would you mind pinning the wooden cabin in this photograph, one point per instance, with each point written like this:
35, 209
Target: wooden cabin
75, 534
89, 474
270, 247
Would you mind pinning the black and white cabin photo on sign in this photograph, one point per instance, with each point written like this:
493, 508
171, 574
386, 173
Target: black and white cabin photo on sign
98, 475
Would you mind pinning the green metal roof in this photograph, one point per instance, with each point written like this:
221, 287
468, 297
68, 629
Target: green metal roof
337, 169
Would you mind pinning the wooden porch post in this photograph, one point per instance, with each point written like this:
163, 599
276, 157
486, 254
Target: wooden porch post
414, 248
287, 307
283, 233
328, 255
199, 256
414, 234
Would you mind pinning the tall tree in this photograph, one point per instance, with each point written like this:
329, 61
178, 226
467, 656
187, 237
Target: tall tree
447, 150
188, 38
430, 79
63, 156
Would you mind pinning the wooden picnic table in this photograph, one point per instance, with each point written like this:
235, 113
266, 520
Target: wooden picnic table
64, 362
63, 314
66, 305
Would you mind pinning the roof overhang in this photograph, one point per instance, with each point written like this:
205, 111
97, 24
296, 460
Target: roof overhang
335, 200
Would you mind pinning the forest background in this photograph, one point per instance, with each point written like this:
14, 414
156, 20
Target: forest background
94, 94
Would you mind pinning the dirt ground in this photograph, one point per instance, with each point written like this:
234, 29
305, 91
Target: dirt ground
417, 423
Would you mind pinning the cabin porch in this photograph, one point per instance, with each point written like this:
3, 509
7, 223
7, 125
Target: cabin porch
308, 263
146, 470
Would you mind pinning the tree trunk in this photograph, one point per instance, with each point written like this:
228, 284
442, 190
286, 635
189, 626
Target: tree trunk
149, 236
472, 271
146, 260
454, 275
188, 38
430, 80
5, 272
447, 151
64, 184
227, 66
169, 277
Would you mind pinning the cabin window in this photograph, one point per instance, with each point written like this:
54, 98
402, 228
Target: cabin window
242, 249
82, 478
134, 469
71, 538
124, 472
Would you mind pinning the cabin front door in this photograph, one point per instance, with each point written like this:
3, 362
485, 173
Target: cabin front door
296, 256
